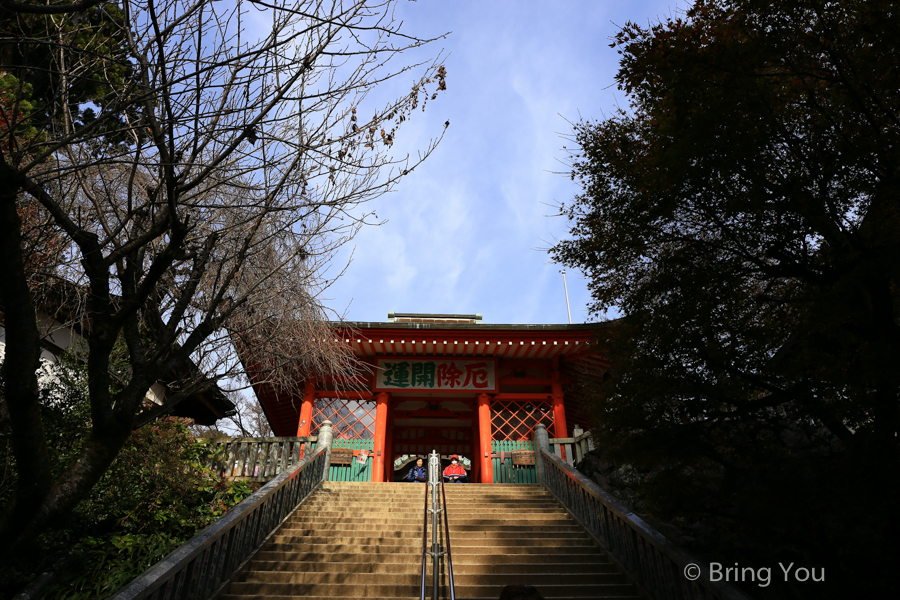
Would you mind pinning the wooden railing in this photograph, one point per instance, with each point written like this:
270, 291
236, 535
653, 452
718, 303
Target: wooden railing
205, 565
507, 469
257, 459
662, 570
573, 449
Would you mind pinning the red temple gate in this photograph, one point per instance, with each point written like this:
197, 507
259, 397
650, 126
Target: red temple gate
445, 382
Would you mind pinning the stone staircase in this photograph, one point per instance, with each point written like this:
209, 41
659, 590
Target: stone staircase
364, 540
519, 534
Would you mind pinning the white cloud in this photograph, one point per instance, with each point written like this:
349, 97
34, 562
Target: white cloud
463, 228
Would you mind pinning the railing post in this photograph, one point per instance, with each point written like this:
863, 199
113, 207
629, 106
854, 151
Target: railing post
541, 442
577, 445
326, 437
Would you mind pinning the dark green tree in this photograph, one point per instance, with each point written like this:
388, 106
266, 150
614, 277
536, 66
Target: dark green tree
69, 60
743, 214
158, 493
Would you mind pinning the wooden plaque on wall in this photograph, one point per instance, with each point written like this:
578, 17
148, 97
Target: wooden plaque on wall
523, 457
341, 456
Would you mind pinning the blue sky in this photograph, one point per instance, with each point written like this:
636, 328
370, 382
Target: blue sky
466, 230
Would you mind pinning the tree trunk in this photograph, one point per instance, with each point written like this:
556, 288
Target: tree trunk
75, 484
19, 372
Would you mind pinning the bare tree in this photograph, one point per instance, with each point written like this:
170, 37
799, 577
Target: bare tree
202, 177
249, 418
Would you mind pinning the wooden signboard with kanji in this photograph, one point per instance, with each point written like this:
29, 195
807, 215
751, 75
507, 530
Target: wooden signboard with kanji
341, 456
523, 457
436, 375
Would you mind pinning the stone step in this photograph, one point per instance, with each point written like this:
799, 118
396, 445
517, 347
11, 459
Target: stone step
391, 590
341, 576
502, 539
490, 492
531, 556
459, 524
420, 500
554, 591
417, 508
337, 531
505, 543
539, 579
419, 503
412, 578
273, 597
416, 597
554, 520
409, 494
371, 554
360, 514
380, 554
388, 484
459, 547
473, 532
532, 568
330, 540
347, 563
418, 491
327, 590
388, 517
421, 497
549, 501
363, 540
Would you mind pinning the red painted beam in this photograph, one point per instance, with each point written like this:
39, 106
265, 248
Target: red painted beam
513, 380
523, 396
427, 412
344, 394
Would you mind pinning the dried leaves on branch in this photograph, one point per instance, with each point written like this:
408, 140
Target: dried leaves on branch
196, 165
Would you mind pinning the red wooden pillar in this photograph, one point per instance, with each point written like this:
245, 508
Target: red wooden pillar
389, 453
306, 411
559, 412
560, 429
484, 428
476, 452
381, 416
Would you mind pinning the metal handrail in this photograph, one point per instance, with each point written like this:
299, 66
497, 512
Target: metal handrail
424, 540
447, 552
203, 566
658, 567
434, 476
435, 479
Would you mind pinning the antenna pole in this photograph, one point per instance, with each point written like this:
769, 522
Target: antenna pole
565, 285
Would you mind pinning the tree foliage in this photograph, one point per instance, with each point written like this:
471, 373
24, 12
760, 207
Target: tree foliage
743, 214
158, 493
202, 162
68, 67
